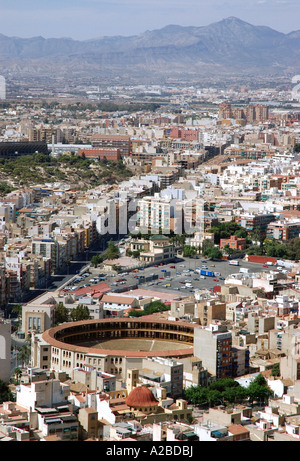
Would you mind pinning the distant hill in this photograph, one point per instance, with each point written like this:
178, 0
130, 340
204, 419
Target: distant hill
226, 47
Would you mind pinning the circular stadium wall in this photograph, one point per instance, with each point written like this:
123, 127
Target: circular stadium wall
112, 345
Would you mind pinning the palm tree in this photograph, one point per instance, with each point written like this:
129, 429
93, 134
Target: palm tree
24, 354
18, 374
17, 309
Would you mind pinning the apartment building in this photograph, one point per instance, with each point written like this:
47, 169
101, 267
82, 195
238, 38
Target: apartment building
253, 221
209, 310
113, 141
93, 153
49, 393
3, 287
251, 113
290, 346
182, 308
88, 423
213, 345
168, 212
283, 230
95, 379
259, 325
240, 361
47, 248
44, 134
166, 373
155, 214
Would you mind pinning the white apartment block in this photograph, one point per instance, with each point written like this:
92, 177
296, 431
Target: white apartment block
48, 393
155, 213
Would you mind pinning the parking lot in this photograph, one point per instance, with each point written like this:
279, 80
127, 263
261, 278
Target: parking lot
171, 277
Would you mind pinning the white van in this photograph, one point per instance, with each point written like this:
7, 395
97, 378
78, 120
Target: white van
234, 262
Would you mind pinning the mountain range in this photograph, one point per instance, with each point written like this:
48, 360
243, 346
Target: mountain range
228, 47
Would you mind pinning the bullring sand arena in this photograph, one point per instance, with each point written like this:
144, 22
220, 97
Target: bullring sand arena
136, 345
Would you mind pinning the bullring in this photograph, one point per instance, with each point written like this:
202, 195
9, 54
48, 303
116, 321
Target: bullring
88, 343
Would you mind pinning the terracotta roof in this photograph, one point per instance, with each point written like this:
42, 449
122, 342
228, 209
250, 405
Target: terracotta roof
117, 299
141, 396
94, 291
237, 429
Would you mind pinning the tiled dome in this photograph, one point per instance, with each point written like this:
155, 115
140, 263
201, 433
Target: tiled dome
141, 396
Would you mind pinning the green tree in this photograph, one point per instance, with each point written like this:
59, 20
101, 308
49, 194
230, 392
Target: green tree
234, 394
241, 233
297, 147
258, 390
17, 375
96, 260
24, 354
229, 251
275, 369
213, 253
197, 395
152, 308
156, 306
206, 245
222, 391
80, 312
5, 392
112, 251
225, 230
61, 314
189, 251
135, 313
214, 397
222, 384
117, 268
17, 309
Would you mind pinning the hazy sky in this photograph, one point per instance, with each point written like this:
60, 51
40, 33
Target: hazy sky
88, 19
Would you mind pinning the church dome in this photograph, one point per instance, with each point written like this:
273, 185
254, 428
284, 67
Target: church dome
141, 397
